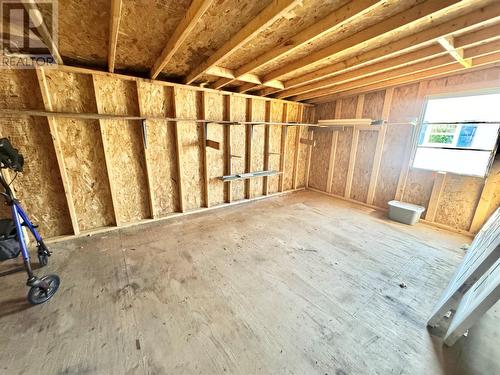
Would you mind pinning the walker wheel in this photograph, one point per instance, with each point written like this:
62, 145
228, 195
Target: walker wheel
44, 290
43, 259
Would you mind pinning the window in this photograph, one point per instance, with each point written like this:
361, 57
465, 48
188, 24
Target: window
459, 134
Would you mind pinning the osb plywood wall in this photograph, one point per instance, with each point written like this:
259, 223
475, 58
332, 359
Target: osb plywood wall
84, 174
372, 166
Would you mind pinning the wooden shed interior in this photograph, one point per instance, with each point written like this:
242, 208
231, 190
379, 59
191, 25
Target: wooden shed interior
161, 123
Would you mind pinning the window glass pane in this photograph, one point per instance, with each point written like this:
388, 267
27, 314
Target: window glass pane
464, 109
467, 162
476, 136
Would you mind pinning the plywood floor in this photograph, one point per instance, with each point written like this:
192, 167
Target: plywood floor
300, 284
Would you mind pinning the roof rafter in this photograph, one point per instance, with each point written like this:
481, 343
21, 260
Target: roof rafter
392, 63
182, 31
479, 54
334, 20
265, 18
419, 11
479, 63
114, 25
474, 19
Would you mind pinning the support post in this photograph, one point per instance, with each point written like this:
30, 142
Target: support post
249, 135
178, 151
437, 189
266, 147
203, 141
227, 143
284, 134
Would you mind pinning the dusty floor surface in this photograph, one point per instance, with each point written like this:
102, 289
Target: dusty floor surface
301, 284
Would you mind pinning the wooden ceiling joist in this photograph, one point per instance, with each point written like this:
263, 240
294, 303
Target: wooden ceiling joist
409, 58
481, 62
114, 25
470, 53
182, 31
40, 26
264, 19
471, 21
448, 44
420, 11
333, 21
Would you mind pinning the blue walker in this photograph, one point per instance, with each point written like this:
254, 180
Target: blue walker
12, 241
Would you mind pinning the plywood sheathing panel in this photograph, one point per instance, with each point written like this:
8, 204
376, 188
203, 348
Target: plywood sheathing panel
84, 31
82, 148
238, 144
348, 107
190, 134
300, 17
341, 166
156, 100
308, 114
325, 111
257, 164
495, 198
320, 158
145, 27
384, 11
458, 201
39, 187
207, 37
124, 147
367, 143
214, 110
291, 137
275, 144
396, 138
418, 188
373, 105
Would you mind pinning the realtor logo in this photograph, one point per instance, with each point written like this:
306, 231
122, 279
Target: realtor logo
29, 33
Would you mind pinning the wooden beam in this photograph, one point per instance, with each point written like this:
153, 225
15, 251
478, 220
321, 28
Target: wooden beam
478, 62
297, 147
333, 149
47, 101
448, 44
178, 155
437, 189
147, 156
419, 11
114, 25
377, 158
182, 31
227, 142
109, 172
333, 21
385, 74
41, 27
212, 144
266, 147
248, 143
310, 137
284, 135
264, 19
274, 83
204, 135
422, 38
354, 148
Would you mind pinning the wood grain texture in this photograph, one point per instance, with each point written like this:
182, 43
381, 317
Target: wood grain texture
418, 188
124, 147
82, 149
214, 110
291, 137
238, 145
157, 100
458, 201
367, 143
320, 157
373, 105
257, 162
275, 144
190, 134
39, 187
341, 166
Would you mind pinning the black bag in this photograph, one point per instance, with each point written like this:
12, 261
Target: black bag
9, 245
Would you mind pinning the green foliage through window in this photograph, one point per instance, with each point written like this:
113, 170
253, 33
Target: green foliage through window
438, 138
